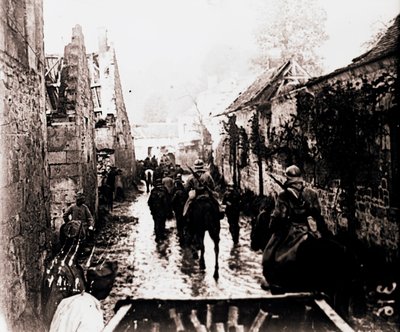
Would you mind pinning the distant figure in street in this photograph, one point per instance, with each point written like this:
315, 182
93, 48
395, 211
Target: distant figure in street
147, 163
110, 181
148, 178
179, 198
154, 162
159, 208
168, 183
77, 218
178, 170
119, 186
82, 312
231, 200
165, 162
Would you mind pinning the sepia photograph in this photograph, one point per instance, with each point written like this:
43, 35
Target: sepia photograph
199, 165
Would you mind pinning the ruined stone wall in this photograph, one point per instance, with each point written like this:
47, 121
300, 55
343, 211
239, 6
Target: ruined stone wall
103, 135
24, 187
72, 157
116, 141
124, 152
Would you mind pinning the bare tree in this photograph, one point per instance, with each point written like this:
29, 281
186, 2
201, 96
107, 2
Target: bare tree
292, 29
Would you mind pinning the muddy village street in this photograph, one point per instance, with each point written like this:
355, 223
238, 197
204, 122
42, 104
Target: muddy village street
166, 270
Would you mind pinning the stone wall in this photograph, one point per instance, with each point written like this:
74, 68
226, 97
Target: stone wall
72, 157
376, 208
376, 205
24, 187
116, 142
124, 152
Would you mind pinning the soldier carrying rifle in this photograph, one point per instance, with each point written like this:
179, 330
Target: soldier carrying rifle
199, 183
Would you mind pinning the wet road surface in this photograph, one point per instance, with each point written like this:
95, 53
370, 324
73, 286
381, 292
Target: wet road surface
165, 270
147, 270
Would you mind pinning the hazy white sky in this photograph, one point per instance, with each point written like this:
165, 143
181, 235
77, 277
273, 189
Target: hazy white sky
165, 47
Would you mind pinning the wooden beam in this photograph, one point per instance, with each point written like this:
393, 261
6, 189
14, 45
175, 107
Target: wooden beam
333, 316
55, 63
113, 323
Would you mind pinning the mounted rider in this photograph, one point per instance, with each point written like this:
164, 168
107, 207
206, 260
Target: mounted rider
297, 204
199, 184
81, 222
295, 221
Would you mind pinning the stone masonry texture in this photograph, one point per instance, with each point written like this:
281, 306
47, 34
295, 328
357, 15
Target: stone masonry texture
116, 136
24, 187
377, 223
72, 156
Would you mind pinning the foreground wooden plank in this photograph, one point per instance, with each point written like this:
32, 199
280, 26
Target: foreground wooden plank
333, 316
113, 323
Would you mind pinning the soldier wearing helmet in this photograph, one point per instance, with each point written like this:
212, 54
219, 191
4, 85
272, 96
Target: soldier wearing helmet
204, 176
78, 219
193, 186
297, 203
296, 218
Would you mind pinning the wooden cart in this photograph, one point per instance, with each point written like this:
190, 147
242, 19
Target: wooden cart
286, 312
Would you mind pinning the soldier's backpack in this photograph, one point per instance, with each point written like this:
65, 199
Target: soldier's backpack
63, 277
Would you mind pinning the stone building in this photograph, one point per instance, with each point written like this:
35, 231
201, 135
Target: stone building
154, 139
24, 189
114, 143
377, 193
262, 102
368, 208
70, 128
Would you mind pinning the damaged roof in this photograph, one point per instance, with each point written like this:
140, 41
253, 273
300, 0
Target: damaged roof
269, 84
388, 44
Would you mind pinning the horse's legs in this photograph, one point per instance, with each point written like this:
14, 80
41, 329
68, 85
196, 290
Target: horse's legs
202, 249
214, 234
233, 221
159, 227
216, 268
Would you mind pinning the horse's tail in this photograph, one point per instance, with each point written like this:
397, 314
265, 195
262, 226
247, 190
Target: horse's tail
149, 176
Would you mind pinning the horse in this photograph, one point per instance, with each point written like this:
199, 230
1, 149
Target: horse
148, 173
106, 194
179, 198
159, 208
295, 261
261, 210
202, 216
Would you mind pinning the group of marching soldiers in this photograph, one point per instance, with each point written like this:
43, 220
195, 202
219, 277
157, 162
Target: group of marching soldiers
172, 196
